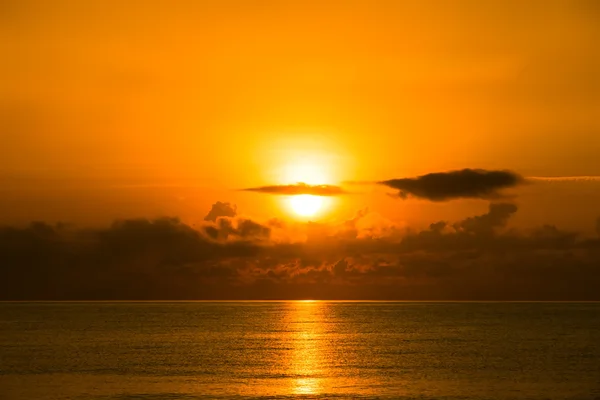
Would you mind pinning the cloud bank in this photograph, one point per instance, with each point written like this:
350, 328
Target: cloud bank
466, 183
366, 257
299, 188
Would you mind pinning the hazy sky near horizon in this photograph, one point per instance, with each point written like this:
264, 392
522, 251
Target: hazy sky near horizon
127, 108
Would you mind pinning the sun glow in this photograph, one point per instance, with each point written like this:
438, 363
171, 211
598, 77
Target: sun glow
306, 205
310, 159
311, 169
311, 173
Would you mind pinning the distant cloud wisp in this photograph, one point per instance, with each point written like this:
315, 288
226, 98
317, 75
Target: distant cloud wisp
299, 188
466, 183
578, 178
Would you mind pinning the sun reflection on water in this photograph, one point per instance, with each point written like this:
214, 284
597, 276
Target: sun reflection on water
306, 364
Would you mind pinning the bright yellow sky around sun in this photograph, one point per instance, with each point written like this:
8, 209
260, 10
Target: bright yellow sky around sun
118, 108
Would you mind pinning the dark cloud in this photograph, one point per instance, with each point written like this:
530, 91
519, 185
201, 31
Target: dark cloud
228, 228
466, 183
497, 216
300, 188
220, 209
477, 258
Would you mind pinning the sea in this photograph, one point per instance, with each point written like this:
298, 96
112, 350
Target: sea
299, 350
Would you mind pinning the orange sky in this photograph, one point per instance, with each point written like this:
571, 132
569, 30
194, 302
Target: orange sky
149, 108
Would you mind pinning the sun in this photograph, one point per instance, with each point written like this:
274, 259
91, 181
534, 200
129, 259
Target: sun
309, 168
306, 205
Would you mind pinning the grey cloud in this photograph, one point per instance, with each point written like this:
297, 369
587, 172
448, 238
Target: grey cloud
299, 188
221, 209
466, 183
226, 228
498, 216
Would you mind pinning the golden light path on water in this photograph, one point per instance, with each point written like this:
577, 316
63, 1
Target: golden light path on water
307, 357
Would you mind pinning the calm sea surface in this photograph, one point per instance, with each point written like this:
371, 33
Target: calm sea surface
280, 350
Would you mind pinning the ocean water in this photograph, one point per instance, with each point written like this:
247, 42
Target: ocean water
305, 350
